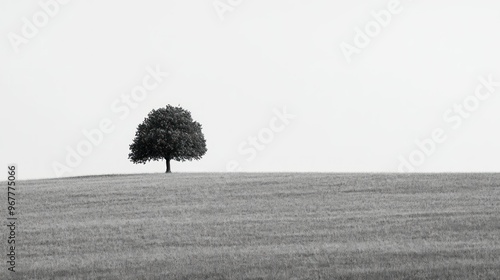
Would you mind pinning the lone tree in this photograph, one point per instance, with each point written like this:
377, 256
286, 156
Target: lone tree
168, 133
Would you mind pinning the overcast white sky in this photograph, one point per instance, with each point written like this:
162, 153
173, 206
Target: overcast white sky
234, 74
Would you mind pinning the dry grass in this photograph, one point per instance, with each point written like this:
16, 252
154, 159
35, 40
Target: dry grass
260, 226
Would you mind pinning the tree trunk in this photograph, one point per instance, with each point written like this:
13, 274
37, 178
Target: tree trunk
168, 166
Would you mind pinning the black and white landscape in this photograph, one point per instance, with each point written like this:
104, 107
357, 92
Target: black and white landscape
232, 139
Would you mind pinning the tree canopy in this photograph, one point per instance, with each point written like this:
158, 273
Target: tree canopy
168, 133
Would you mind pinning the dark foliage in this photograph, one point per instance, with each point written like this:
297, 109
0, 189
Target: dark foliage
168, 133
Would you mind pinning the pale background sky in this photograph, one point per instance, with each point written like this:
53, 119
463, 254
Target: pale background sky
232, 73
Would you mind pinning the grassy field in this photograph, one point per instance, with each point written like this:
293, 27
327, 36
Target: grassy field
259, 226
